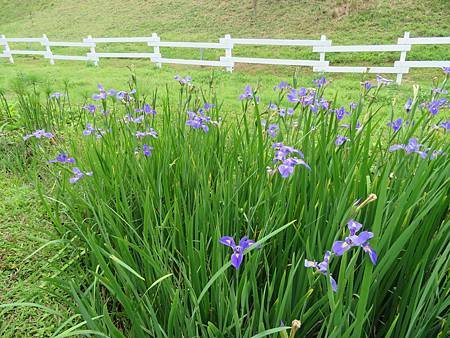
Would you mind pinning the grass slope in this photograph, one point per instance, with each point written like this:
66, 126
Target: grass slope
346, 21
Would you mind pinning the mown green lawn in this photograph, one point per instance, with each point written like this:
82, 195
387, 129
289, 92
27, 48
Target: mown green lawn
23, 270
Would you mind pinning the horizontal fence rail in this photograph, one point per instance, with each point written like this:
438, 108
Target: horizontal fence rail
227, 43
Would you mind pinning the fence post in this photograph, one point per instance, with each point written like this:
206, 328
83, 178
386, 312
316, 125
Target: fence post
322, 54
228, 52
48, 54
92, 55
7, 50
156, 50
402, 59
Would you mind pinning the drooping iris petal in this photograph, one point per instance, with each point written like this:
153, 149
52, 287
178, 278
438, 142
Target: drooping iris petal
236, 259
396, 147
323, 266
326, 256
228, 241
340, 140
333, 284
372, 254
285, 170
339, 247
147, 150
310, 264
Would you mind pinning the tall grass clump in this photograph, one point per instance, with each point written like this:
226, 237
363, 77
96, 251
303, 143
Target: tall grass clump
193, 222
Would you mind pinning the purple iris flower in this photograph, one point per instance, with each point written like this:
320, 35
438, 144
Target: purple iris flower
62, 158
411, 147
322, 267
324, 103
381, 80
97, 97
129, 118
248, 94
78, 175
396, 125
434, 106
320, 82
367, 85
283, 151
309, 99
445, 125
340, 140
238, 250
208, 106
295, 96
147, 150
40, 133
291, 162
282, 112
151, 132
440, 91
282, 85
408, 105
183, 81
286, 168
272, 130
446, 70
273, 106
90, 130
361, 240
56, 95
353, 105
340, 113
198, 120
147, 109
111, 92
90, 108
101, 95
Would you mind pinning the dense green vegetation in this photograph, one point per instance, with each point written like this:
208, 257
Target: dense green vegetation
144, 213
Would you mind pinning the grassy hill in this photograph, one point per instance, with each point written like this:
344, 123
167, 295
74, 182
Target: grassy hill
343, 21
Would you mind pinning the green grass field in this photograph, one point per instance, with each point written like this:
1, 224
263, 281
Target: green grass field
57, 241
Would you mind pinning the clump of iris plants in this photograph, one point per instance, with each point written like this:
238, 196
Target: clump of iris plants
155, 180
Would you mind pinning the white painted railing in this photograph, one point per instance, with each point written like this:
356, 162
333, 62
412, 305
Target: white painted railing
322, 46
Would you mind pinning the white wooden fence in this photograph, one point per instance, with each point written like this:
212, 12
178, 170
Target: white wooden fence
228, 61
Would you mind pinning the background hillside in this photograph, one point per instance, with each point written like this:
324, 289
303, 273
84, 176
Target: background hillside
343, 21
